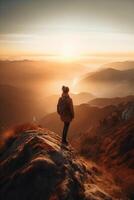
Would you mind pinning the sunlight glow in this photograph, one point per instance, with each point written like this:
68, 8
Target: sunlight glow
75, 81
74, 84
69, 52
64, 46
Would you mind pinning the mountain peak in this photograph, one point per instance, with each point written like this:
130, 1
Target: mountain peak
110, 69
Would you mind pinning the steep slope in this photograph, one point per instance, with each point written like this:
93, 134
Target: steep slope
118, 155
34, 165
113, 147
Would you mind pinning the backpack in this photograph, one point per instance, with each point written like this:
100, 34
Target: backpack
64, 105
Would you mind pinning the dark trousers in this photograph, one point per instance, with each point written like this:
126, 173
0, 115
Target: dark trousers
65, 131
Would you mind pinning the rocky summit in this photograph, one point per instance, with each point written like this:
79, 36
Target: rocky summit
35, 166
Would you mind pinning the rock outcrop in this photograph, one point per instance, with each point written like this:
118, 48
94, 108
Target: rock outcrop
34, 165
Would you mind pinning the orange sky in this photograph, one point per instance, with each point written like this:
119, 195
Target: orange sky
66, 46
66, 30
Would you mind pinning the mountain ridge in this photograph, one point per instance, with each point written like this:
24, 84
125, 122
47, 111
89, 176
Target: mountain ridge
108, 82
34, 165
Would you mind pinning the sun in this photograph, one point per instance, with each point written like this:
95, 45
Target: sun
69, 53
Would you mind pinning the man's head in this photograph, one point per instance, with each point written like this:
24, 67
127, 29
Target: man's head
65, 89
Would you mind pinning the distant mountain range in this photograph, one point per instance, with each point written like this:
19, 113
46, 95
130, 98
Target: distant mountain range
44, 77
41, 76
18, 105
85, 117
102, 102
108, 82
111, 75
50, 102
25, 86
25, 105
120, 65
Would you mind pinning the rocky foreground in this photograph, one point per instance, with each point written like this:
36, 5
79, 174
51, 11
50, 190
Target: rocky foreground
34, 166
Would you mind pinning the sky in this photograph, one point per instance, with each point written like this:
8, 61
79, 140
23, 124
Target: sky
66, 29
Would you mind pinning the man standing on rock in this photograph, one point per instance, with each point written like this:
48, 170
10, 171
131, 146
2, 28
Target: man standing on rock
66, 111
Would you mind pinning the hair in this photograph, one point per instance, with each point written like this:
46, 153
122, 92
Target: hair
65, 89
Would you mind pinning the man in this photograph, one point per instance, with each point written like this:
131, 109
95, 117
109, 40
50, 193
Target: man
66, 111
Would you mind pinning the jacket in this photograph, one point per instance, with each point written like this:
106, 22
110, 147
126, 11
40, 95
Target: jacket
67, 112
